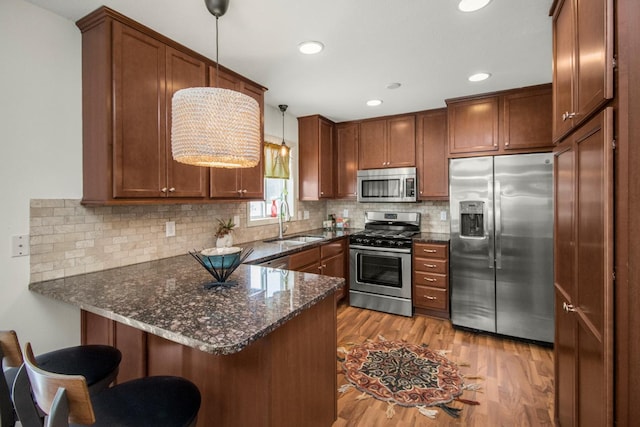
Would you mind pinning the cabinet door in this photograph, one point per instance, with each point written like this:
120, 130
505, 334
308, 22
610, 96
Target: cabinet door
431, 155
252, 179
334, 266
563, 66
594, 269
139, 153
183, 71
473, 125
346, 160
326, 159
401, 142
372, 147
223, 183
527, 120
308, 158
593, 55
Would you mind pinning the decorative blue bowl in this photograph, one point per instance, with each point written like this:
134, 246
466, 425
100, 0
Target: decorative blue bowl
221, 257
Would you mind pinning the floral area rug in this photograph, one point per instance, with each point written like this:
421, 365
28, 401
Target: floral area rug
405, 374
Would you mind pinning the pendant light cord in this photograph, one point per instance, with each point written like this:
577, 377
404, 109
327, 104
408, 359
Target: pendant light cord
217, 62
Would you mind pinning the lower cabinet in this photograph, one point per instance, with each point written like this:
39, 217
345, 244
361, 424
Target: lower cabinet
431, 279
329, 259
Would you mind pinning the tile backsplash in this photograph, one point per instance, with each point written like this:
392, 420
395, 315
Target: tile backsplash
429, 212
68, 238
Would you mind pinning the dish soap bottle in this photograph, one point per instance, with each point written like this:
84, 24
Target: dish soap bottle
274, 209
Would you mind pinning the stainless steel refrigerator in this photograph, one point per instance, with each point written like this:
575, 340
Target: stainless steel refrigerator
502, 244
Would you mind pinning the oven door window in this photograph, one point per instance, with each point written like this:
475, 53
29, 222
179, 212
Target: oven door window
382, 270
383, 188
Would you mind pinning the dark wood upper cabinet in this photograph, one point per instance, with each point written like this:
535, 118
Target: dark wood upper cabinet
129, 76
387, 143
583, 61
315, 146
507, 122
473, 125
526, 119
431, 155
242, 183
346, 159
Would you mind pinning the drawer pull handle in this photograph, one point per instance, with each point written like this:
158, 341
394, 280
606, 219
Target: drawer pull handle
429, 279
430, 265
429, 297
431, 251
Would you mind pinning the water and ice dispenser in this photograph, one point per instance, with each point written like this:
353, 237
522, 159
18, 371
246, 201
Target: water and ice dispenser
472, 218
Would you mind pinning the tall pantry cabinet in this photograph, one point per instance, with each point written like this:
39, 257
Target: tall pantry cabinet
583, 131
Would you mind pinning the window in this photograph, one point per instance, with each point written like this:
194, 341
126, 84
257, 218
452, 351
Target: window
274, 190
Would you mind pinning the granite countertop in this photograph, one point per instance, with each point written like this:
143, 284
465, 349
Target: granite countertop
267, 250
167, 298
431, 238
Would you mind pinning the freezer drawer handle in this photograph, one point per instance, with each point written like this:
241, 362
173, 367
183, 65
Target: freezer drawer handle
568, 308
429, 297
429, 279
430, 265
431, 251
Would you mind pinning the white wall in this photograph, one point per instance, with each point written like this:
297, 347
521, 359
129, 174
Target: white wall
41, 142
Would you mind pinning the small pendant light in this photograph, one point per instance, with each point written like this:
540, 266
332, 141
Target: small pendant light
215, 127
284, 150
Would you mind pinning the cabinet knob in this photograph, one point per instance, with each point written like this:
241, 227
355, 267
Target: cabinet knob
320, 268
172, 189
239, 191
506, 143
430, 265
322, 193
429, 279
431, 251
244, 191
429, 297
568, 308
163, 189
567, 115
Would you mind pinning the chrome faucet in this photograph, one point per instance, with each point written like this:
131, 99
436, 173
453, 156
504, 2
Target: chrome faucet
284, 207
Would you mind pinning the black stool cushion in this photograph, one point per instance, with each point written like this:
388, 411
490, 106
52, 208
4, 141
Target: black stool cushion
93, 362
151, 401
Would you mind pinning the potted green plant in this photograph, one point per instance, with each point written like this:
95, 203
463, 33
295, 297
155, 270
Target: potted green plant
223, 233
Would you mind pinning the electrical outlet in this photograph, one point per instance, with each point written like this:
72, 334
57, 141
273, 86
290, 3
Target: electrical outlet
20, 245
345, 213
170, 228
299, 215
236, 221
443, 215
306, 214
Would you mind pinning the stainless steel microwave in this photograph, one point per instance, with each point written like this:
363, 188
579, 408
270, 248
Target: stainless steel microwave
387, 185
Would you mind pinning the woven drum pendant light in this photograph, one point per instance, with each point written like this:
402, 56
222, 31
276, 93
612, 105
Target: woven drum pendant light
215, 127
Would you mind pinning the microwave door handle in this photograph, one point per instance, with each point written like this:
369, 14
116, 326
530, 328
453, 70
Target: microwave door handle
403, 182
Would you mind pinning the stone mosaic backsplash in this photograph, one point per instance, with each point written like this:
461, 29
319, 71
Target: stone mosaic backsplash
67, 238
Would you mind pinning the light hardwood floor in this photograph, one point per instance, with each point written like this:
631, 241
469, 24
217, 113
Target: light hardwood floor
517, 384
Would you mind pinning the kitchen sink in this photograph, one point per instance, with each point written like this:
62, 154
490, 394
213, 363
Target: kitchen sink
296, 240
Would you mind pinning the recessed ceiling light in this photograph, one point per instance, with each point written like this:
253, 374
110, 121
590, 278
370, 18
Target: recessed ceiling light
310, 47
374, 102
478, 77
393, 85
472, 5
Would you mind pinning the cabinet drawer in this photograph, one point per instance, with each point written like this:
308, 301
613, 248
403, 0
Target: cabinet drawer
433, 298
431, 265
304, 258
430, 250
330, 249
430, 279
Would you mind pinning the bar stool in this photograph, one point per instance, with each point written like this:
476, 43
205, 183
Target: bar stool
97, 363
151, 401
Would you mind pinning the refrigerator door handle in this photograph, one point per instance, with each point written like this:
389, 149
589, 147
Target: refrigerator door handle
488, 224
498, 219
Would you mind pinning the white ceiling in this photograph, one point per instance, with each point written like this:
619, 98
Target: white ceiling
427, 45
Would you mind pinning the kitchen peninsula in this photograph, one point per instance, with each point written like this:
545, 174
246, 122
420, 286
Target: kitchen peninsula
262, 352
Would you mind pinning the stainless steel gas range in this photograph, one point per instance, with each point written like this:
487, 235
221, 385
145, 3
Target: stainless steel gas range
380, 264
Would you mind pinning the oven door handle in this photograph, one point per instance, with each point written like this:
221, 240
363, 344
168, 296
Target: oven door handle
378, 249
